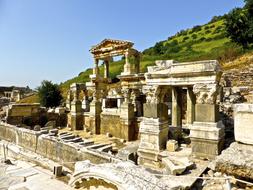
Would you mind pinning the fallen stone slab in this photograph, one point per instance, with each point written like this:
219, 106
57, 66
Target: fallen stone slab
237, 160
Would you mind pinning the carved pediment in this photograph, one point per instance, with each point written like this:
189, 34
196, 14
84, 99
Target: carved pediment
108, 45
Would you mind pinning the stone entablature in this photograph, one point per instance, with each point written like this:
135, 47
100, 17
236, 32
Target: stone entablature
188, 73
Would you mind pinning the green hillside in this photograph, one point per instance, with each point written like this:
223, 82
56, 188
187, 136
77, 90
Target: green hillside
208, 41
203, 42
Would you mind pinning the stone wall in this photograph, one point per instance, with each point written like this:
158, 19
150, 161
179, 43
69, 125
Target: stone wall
33, 114
117, 127
50, 146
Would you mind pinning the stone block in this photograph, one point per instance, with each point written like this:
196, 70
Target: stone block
206, 149
206, 112
156, 111
76, 106
243, 127
172, 145
58, 171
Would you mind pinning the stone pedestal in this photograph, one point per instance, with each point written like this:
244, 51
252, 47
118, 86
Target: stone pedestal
95, 110
76, 115
153, 138
153, 134
207, 133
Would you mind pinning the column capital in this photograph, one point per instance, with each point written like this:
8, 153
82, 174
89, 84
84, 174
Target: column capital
206, 93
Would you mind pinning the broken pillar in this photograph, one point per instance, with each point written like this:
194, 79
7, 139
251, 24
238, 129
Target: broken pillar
76, 112
153, 129
207, 132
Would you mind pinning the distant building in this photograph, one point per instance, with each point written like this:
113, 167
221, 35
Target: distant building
13, 93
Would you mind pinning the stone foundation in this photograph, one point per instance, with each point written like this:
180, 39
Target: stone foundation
50, 146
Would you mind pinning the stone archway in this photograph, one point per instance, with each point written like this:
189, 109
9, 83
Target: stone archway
114, 176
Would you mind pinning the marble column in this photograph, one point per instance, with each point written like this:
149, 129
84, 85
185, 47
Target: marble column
106, 69
176, 107
127, 66
96, 67
190, 106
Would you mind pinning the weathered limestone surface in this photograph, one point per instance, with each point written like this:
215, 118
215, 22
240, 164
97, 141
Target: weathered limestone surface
243, 127
153, 138
237, 160
123, 175
51, 147
207, 132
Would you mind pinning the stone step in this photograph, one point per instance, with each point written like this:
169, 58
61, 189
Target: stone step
75, 140
64, 133
67, 137
96, 146
106, 148
86, 142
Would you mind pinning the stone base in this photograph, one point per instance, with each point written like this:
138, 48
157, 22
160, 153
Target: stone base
207, 139
206, 149
76, 122
153, 138
148, 159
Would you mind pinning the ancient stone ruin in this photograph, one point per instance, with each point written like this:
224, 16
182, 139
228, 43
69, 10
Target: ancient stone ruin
161, 129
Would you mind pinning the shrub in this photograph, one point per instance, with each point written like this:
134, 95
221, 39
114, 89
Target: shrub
207, 31
194, 36
206, 27
196, 28
49, 94
185, 38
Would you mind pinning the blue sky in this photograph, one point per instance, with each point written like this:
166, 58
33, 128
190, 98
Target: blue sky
50, 39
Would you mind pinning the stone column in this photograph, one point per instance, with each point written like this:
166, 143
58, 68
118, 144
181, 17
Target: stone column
95, 110
153, 129
68, 101
127, 116
96, 68
106, 69
85, 103
127, 66
76, 111
176, 108
207, 132
190, 106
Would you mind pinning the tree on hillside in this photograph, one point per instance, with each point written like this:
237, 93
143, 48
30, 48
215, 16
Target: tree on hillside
249, 6
239, 24
49, 94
